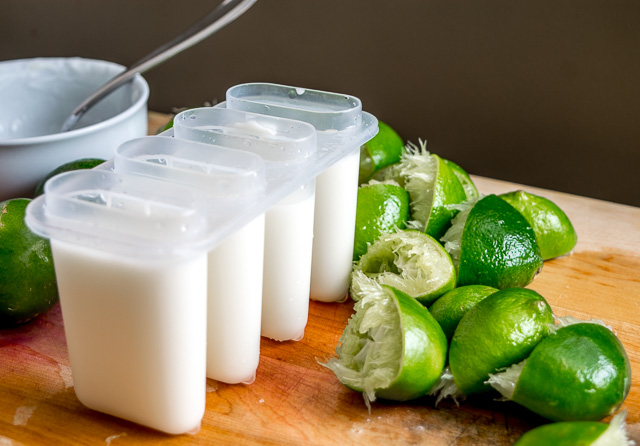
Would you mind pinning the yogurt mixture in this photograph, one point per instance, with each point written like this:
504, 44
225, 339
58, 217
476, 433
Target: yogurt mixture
235, 305
136, 331
335, 220
287, 265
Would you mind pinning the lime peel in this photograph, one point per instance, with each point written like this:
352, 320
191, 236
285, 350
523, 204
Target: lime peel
418, 168
452, 238
446, 388
616, 433
409, 260
565, 321
586, 433
369, 353
505, 381
392, 347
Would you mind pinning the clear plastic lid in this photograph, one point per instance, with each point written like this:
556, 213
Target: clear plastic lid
276, 140
214, 172
341, 123
117, 212
288, 147
220, 173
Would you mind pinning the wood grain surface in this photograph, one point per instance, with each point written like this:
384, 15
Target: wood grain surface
294, 400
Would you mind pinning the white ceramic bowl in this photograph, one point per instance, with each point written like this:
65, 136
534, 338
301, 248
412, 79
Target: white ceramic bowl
36, 95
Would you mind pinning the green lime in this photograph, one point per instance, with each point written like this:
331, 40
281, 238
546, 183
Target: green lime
382, 208
470, 189
392, 348
27, 279
434, 190
382, 150
554, 232
500, 330
578, 433
451, 306
83, 163
409, 260
580, 372
492, 244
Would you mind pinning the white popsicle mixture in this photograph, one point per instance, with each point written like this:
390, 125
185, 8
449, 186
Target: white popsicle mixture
235, 305
334, 229
287, 265
136, 332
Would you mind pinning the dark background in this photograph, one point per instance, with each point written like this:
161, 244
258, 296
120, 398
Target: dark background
544, 93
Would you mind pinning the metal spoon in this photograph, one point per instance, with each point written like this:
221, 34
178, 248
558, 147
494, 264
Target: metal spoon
222, 15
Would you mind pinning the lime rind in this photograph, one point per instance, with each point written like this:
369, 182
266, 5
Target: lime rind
585, 433
616, 434
392, 347
391, 172
449, 309
384, 149
389, 181
565, 321
370, 348
506, 379
470, 189
492, 245
582, 374
410, 261
554, 231
452, 239
446, 387
499, 331
382, 208
419, 169
432, 186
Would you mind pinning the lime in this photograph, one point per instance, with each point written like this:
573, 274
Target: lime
392, 348
27, 279
580, 372
382, 150
434, 190
382, 208
451, 306
492, 244
470, 189
578, 433
554, 232
409, 260
83, 163
500, 330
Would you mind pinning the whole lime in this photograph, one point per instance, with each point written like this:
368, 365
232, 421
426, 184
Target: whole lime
27, 279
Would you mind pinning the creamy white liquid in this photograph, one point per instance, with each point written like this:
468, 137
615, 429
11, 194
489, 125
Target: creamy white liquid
235, 305
136, 332
287, 265
334, 229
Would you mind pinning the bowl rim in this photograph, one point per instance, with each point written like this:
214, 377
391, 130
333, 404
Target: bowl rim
72, 134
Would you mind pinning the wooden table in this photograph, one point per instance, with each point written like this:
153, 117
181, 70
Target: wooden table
296, 401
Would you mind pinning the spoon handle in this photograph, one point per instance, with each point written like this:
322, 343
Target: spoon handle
225, 13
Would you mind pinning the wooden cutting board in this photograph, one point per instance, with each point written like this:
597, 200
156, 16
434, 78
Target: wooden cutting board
294, 400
